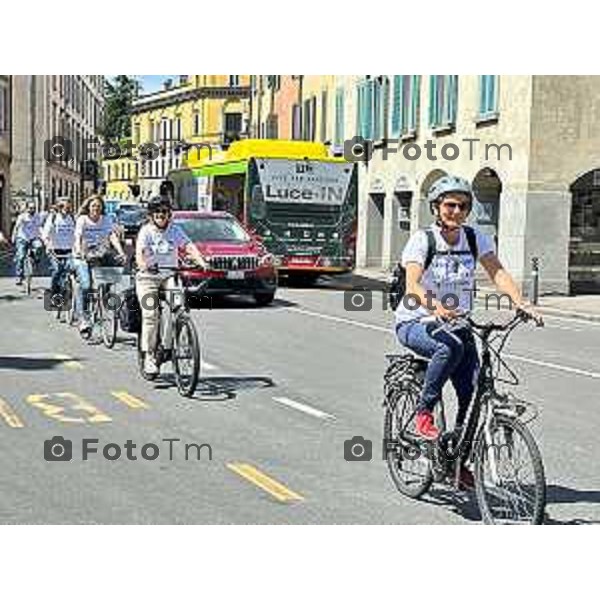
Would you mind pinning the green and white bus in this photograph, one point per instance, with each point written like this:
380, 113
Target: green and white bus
299, 201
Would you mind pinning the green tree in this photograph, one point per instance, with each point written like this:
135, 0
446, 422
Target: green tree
119, 95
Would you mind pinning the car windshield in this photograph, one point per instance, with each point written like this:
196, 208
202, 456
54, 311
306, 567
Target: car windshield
213, 230
131, 213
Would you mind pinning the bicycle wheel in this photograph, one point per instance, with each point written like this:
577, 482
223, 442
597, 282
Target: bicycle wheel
509, 474
409, 465
28, 268
70, 293
109, 320
186, 355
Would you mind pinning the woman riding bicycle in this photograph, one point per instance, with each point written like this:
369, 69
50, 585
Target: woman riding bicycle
94, 234
158, 244
447, 272
58, 235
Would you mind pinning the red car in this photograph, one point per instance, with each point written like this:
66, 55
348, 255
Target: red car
238, 263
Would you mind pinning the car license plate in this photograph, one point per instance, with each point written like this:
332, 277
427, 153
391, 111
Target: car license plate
235, 274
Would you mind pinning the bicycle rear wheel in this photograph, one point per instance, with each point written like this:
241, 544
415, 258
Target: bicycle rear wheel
509, 474
28, 268
409, 466
186, 355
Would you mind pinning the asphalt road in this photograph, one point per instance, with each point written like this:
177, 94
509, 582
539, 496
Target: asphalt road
283, 387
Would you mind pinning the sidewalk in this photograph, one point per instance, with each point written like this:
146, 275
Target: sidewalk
585, 307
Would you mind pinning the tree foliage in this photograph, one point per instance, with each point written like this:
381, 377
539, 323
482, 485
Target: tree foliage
119, 93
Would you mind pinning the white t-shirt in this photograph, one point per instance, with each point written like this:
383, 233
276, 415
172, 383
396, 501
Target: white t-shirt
59, 229
28, 226
93, 233
160, 246
447, 274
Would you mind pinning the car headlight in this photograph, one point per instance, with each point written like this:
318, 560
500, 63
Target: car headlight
335, 235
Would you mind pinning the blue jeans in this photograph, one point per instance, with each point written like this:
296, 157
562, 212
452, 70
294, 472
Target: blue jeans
20, 252
452, 356
59, 267
84, 279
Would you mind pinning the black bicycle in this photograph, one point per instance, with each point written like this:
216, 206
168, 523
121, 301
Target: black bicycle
509, 474
178, 340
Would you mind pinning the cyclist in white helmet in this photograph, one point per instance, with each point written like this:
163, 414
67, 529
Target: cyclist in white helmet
440, 264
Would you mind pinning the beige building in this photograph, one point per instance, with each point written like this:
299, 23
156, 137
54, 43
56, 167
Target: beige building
5, 153
50, 111
529, 144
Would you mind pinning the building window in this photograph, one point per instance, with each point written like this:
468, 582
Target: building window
308, 132
108, 173
339, 117
405, 104
324, 116
196, 123
234, 80
443, 99
488, 96
4, 109
233, 127
136, 134
272, 127
373, 97
178, 129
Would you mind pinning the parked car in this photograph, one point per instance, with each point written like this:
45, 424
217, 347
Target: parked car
131, 217
238, 263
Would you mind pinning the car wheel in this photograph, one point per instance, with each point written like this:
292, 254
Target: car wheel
264, 298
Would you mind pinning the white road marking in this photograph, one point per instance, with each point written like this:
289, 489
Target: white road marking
388, 330
309, 410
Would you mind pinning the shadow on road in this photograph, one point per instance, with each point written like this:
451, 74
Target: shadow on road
220, 389
559, 494
25, 363
462, 504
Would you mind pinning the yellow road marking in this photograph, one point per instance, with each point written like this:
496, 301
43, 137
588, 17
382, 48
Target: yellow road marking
9, 415
78, 404
258, 478
129, 400
68, 361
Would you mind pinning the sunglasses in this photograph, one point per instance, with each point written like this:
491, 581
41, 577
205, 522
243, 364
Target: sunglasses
462, 206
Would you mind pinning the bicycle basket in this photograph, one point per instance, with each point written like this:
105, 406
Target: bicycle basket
112, 275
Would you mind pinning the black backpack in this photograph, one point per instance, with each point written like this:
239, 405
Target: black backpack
397, 281
130, 312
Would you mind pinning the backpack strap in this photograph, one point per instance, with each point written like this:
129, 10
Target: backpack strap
472, 241
430, 248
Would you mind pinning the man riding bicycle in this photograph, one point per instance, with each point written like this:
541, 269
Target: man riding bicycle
94, 234
26, 230
158, 244
58, 236
440, 263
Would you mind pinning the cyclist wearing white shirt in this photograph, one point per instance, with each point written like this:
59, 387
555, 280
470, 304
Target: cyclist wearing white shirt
431, 280
158, 244
94, 235
27, 229
58, 236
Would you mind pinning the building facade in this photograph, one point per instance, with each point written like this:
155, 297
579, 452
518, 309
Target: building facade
196, 112
530, 145
55, 121
5, 153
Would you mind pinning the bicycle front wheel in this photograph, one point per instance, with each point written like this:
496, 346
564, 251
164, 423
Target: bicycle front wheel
509, 474
186, 356
109, 319
28, 268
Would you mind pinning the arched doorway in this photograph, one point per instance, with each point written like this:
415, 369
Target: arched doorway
425, 218
486, 209
584, 246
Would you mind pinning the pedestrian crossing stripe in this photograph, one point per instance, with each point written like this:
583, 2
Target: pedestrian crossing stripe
9, 415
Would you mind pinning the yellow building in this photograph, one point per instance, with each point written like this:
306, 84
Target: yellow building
197, 110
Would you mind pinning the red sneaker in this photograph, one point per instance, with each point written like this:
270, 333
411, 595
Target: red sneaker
425, 427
